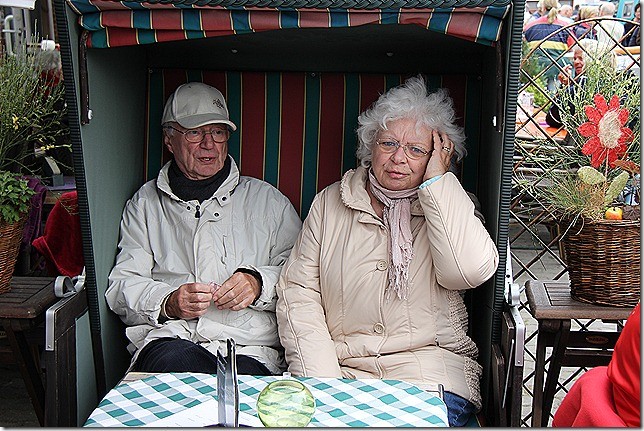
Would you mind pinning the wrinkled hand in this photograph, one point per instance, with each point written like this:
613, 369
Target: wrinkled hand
189, 301
440, 158
564, 76
238, 292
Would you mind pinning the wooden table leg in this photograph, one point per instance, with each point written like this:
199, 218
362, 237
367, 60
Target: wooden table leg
547, 328
558, 352
539, 366
28, 368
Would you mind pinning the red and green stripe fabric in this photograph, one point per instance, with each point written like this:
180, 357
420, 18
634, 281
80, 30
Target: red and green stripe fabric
296, 130
112, 23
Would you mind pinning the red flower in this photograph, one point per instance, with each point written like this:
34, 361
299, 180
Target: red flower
605, 128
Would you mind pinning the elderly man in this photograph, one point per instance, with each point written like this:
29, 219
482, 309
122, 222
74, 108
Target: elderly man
565, 13
201, 249
609, 32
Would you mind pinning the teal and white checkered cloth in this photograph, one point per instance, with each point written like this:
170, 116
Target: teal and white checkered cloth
339, 402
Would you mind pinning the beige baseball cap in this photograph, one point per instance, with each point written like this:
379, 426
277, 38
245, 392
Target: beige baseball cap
196, 104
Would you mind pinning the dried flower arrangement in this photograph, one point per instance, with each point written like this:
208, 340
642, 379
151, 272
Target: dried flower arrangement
595, 184
600, 171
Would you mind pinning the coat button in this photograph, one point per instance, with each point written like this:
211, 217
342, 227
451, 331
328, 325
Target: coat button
382, 265
216, 215
379, 328
224, 198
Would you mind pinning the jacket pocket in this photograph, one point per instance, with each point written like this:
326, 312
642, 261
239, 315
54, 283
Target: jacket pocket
228, 254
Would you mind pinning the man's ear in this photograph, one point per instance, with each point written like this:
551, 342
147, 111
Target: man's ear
166, 141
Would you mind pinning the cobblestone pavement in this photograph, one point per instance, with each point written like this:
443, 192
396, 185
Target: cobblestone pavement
15, 405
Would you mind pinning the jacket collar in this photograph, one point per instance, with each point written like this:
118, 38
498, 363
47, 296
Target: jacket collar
353, 192
222, 195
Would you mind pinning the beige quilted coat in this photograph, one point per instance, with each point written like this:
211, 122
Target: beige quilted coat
333, 317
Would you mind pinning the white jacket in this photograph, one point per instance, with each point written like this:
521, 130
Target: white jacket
246, 223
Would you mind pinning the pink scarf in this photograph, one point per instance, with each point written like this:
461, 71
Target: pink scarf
397, 217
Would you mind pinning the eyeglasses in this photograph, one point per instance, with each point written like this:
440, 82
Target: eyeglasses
196, 136
413, 151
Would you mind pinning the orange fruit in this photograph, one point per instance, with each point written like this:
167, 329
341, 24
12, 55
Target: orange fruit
613, 213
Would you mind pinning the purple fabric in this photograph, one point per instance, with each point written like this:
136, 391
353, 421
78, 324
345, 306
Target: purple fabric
33, 225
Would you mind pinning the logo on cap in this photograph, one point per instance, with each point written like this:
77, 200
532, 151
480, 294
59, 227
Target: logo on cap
219, 103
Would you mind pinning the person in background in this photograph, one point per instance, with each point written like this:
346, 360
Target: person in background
582, 52
201, 249
609, 32
566, 13
608, 396
632, 31
584, 29
527, 16
373, 287
575, 13
538, 13
546, 29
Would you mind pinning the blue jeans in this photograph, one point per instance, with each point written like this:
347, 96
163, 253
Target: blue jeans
458, 409
167, 355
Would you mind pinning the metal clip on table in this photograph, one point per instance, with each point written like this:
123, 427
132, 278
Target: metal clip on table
553, 308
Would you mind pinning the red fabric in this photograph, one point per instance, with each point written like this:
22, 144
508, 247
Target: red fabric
608, 396
624, 371
114, 23
61, 244
589, 403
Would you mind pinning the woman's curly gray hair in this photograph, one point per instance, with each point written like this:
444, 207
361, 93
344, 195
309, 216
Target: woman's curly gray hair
409, 100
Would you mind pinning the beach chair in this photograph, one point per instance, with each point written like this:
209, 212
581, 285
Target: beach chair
295, 75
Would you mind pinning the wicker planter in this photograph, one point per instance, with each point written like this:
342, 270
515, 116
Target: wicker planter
10, 238
603, 259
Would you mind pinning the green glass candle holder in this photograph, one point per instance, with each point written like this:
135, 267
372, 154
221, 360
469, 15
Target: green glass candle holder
285, 403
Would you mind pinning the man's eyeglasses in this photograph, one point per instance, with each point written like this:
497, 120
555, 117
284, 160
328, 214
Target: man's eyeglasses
413, 151
196, 136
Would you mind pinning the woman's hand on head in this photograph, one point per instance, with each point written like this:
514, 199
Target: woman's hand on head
440, 157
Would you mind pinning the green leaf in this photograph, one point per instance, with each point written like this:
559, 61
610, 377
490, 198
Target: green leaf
616, 186
15, 196
590, 175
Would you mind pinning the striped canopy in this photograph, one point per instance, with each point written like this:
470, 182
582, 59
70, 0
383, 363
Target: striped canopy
112, 23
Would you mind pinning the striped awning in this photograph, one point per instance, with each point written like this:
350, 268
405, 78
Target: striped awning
112, 23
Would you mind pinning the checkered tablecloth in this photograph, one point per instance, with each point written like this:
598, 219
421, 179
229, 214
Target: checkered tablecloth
339, 402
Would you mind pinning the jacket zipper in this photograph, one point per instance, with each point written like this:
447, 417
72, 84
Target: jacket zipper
197, 212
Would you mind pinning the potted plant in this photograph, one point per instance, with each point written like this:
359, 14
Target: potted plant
594, 188
31, 120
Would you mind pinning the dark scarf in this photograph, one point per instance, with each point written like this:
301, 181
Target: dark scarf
200, 190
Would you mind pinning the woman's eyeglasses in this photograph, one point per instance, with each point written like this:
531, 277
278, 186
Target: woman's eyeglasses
196, 136
413, 151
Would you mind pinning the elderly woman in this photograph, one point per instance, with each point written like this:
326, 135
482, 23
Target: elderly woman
585, 51
372, 288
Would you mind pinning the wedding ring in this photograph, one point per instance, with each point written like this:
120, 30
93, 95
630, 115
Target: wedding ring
448, 149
